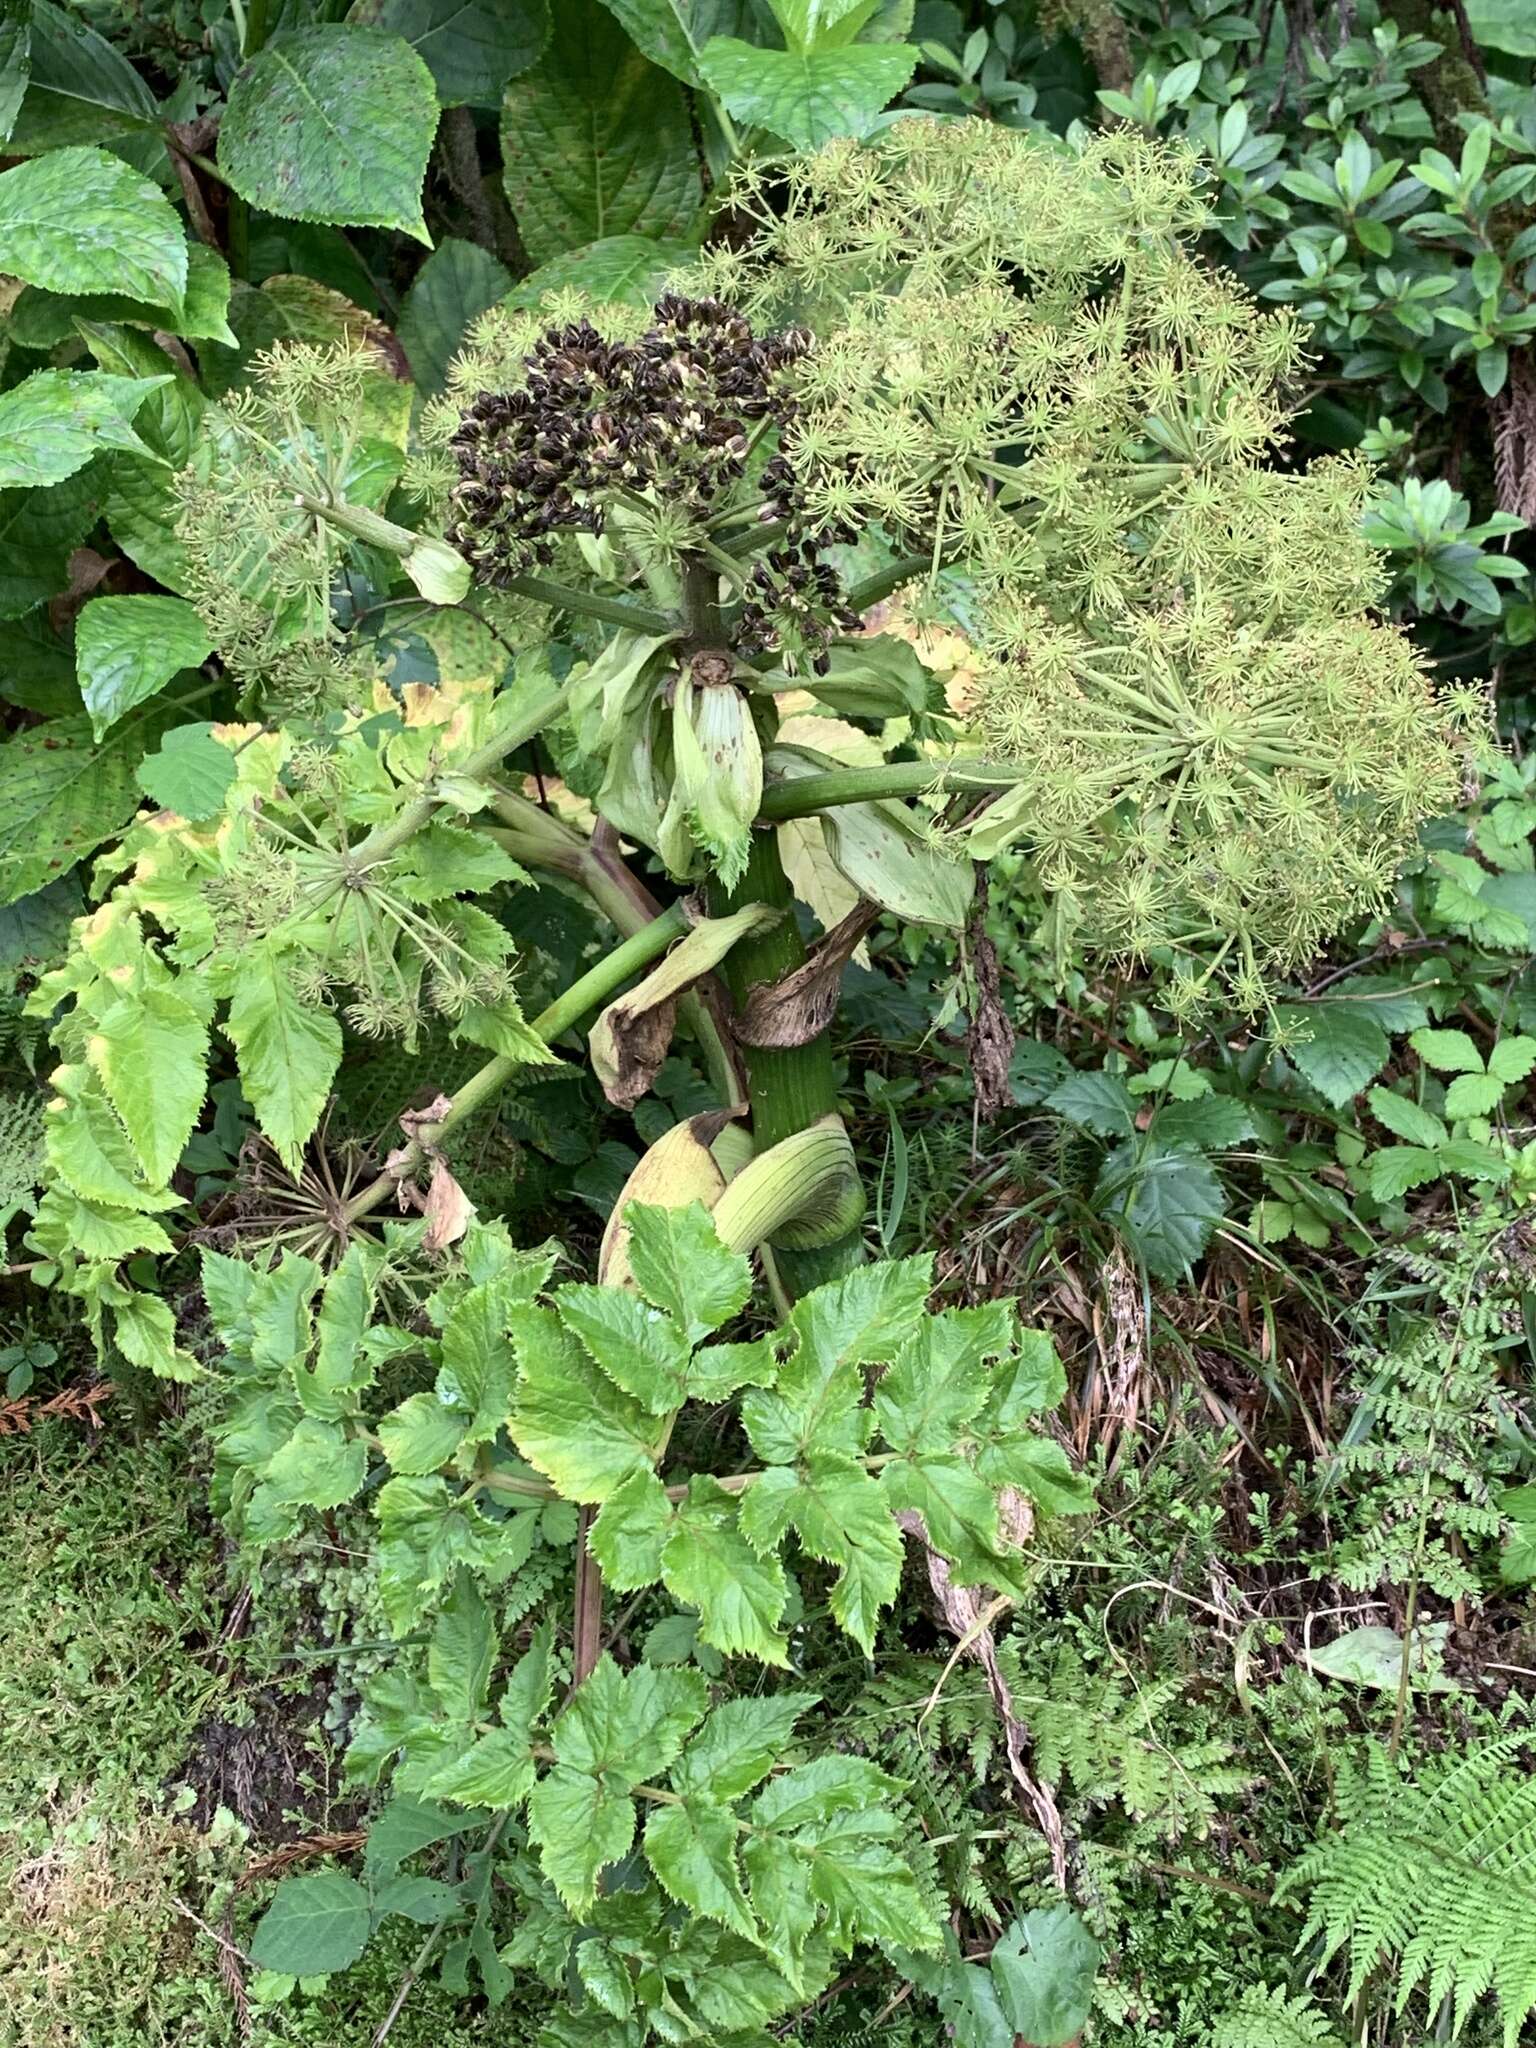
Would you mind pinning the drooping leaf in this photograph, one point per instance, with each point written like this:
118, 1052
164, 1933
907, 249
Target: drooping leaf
672, 32
629, 1531
456, 284
1168, 1202
314, 1925
53, 422
692, 1849
332, 124
288, 1051
462, 1651
580, 1825
81, 90
15, 60
624, 270
150, 1051
471, 47
318, 1466
81, 220
807, 97
128, 648
43, 319
595, 141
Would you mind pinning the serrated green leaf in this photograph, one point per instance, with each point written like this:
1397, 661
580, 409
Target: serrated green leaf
596, 142
1473, 1095
15, 60
1452, 1052
605, 1978
128, 648
1512, 1058
145, 1330
404, 1829
61, 795
692, 1849
1096, 1102
958, 1510
815, 1792
571, 1421
630, 1726
318, 1466
92, 1230
638, 1347
628, 1532
842, 1518
1168, 1203
288, 1051
807, 97
150, 1052
458, 282
940, 1378
478, 1368
190, 772
87, 1149
867, 1891
672, 32
471, 47
708, 1564
80, 220
425, 1532
622, 270
1405, 1119
861, 1320
1398, 1168
332, 124
426, 1900
1345, 1050
740, 1743
1040, 1468
43, 319
495, 1771
421, 1435
54, 421
580, 1826
314, 1926
680, 1265
82, 90
462, 1651
1212, 1124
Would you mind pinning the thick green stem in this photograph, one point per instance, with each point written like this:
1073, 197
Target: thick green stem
614, 611
566, 1010
800, 795
789, 1088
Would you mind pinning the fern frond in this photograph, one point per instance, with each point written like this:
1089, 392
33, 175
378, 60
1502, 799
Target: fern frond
1268, 2019
1438, 1874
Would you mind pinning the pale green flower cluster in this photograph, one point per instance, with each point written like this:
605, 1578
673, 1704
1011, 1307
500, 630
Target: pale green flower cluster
1024, 374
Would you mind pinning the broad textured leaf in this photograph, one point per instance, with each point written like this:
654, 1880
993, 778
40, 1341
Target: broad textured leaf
288, 1051
332, 124
15, 60
314, 1925
708, 1564
861, 1320
425, 1533
43, 319
190, 772
679, 1264
1213, 1124
1168, 1202
868, 1891
494, 1771
80, 220
1345, 1050
959, 1510
580, 1826
471, 47
53, 422
1452, 1052
816, 1792
595, 141
1405, 1119
638, 1347
478, 1368
404, 1829
128, 648
1097, 1102
1044, 1968
82, 90
628, 1532
145, 1329
1506, 25
150, 1051
842, 1518
672, 32
624, 270
571, 1421
87, 1149
740, 1743
458, 282
318, 1467
1473, 1095
807, 97
692, 1849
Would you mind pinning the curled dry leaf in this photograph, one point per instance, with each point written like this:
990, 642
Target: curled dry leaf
801, 1006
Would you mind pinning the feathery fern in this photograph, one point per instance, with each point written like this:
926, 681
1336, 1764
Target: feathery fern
1438, 1873
1268, 2019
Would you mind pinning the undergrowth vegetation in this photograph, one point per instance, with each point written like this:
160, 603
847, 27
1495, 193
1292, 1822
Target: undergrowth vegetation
767, 900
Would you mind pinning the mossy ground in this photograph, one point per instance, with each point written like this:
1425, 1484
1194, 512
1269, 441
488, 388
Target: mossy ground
132, 1710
